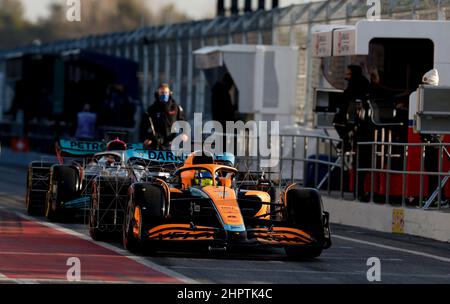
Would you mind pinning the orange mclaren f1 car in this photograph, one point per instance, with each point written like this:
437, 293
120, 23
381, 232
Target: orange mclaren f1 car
201, 203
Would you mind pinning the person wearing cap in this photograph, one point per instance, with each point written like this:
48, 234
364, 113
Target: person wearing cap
160, 117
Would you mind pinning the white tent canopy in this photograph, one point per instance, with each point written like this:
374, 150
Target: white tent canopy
343, 40
265, 76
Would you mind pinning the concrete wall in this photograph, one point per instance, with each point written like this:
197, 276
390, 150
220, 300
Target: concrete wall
425, 223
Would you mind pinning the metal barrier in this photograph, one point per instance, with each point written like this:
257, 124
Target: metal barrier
311, 160
314, 161
309, 151
389, 172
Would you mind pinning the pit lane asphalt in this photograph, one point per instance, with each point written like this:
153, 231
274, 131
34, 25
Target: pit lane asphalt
404, 259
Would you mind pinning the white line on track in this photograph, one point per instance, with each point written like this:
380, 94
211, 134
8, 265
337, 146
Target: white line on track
343, 258
122, 252
423, 254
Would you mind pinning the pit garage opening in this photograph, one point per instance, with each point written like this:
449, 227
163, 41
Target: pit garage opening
388, 126
265, 78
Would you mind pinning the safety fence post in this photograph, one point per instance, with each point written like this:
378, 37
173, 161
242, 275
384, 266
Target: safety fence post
422, 152
405, 161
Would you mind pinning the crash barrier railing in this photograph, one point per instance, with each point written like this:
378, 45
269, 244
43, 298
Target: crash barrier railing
311, 160
409, 165
315, 159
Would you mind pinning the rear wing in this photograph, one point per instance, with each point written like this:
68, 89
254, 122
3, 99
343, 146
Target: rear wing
169, 157
79, 148
85, 149
162, 157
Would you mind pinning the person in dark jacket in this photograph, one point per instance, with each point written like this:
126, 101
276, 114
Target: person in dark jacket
160, 117
358, 88
352, 119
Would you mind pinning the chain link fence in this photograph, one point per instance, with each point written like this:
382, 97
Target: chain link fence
165, 53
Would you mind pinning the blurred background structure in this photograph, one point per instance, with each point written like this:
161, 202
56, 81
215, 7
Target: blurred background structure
122, 49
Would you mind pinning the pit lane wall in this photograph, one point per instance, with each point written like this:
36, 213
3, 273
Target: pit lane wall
430, 224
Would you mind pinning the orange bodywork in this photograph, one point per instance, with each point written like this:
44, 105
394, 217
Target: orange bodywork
181, 232
265, 198
223, 196
137, 221
225, 203
282, 236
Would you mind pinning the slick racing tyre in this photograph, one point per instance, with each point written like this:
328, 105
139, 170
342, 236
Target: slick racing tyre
63, 187
304, 210
145, 210
95, 231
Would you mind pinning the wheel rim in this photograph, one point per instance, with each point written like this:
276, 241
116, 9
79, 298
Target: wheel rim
137, 222
127, 229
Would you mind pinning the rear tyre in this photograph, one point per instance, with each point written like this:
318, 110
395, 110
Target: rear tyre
131, 228
304, 210
63, 187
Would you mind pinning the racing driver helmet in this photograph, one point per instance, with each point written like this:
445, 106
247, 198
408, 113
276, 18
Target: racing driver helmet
203, 178
116, 145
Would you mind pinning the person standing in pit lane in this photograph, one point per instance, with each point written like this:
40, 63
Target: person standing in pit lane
86, 124
160, 117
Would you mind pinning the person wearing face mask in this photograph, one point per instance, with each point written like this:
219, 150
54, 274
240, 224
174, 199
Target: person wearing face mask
160, 117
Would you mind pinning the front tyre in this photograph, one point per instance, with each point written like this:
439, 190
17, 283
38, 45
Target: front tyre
145, 210
94, 228
132, 229
304, 210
